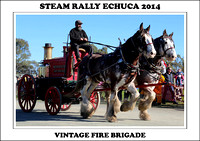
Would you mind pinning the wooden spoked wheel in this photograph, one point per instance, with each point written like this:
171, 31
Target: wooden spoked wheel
95, 99
27, 93
53, 100
65, 107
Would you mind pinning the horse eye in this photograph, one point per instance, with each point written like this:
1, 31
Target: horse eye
165, 42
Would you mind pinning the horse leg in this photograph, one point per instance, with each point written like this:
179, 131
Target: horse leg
107, 96
130, 105
114, 107
146, 102
90, 109
85, 104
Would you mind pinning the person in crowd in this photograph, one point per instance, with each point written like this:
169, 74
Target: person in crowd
169, 66
158, 89
169, 79
179, 77
79, 39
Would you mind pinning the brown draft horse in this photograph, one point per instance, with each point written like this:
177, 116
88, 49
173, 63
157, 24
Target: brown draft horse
117, 69
150, 71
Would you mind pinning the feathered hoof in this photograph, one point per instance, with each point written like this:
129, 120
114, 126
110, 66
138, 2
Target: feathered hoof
141, 105
112, 118
125, 106
87, 115
87, 111
145, 116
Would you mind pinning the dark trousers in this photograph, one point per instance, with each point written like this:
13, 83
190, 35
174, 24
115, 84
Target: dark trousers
171, 89
75, 48
178, 81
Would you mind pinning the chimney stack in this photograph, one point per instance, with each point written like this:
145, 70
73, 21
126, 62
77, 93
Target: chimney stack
48, 51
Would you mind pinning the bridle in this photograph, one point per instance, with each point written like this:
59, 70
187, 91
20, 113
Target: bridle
153, 66
167, 48
138, 49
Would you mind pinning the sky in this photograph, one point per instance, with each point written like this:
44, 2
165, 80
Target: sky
102, 28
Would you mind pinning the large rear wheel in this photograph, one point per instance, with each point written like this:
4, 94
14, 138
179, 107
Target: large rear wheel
27, 93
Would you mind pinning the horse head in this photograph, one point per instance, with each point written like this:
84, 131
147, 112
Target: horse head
144, 41
166, 47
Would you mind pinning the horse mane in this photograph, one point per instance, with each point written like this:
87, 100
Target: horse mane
157, 44
129, 48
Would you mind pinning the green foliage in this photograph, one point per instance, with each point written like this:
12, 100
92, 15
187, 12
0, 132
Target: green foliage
96, 50
23, 65
178, 63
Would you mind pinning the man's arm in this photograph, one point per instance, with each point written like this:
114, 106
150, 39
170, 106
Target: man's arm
166, 78
84, 34
73, 36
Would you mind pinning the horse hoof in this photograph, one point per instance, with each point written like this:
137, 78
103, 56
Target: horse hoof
141, 105
112, 119
87, 114
84, 116
145, 116
124, 107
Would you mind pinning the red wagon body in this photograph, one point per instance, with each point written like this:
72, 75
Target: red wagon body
57, 77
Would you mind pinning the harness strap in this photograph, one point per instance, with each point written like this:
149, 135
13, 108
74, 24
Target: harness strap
139, 50
131, 66
156, 78
168, 49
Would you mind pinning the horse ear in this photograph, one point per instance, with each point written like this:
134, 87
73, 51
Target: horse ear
148, 28
171, 34
165, 33
141, 26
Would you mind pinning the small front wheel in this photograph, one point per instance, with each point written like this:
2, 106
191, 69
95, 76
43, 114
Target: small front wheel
95, 99
53, 100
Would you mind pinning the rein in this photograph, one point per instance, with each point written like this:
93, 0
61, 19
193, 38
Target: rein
129, 65
109, 46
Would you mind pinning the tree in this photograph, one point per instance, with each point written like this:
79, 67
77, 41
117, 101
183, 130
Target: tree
178, 63
96, 50
23, 65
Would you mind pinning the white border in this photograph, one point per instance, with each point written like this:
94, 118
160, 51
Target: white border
192, 132
106, 127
